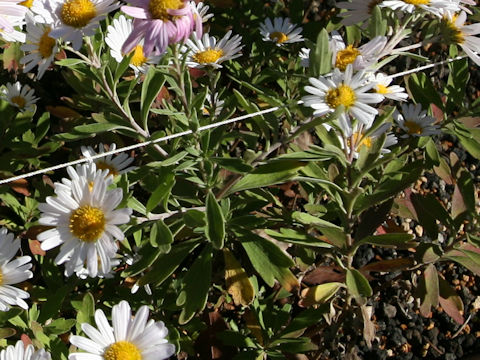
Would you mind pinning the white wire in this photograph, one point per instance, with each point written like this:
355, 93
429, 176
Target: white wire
136, 146
188, 132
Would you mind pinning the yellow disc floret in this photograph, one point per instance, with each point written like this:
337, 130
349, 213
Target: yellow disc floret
46, 44
122, 350
138, 58
278, 37
159, 8
103, 165
19, 101
346, 56
451, 31
78, 13
208, 56
382, 89
417, 2
342, 95
87, 223
413, 127
26, 3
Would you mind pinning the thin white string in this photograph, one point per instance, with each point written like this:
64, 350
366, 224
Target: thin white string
188, 132
411, 71
136, 146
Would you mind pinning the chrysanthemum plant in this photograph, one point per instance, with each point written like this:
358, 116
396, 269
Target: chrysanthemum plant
247, 238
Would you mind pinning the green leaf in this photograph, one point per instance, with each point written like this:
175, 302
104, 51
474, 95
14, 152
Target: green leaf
429, 282
357, 284
161, 194
215, 230
161, 236
423, 91
456, 85
321, 56
59, 326
97, 128
269, 261
233, 164
193, 296
335, 234
319, 294
87, 310
297, 237
400, 240
378, 23
7, 332
151, 86
166, 264
273, 173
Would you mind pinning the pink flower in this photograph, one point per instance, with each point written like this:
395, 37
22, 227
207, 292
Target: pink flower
160, 23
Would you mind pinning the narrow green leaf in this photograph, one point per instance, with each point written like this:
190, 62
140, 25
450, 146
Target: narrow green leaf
400, 240
357, 284
161, 236
161, 194
215, 230
152, 84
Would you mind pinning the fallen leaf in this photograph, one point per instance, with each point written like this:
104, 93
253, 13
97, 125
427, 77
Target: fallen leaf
324, 274
238, 283
20, 186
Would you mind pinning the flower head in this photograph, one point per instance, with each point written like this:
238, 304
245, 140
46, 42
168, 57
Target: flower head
115, 165
12, 272
382, 86
84, 221
456, 32
328, 93
22, 97
415, 121
358, 11
160, 23
200, 10
22, 352
117, 34
362, 57
126, 339
281, 31
436, 7
11, 15
40, 47
208, 52
74, 19
360, 137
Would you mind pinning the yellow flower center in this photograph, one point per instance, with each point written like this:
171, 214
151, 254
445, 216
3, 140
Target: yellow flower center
359, 140
1, 277
19, 101
26, 3
452, 32
122, 350
208, 56
103, 165
159, 8
138, 58
46, 44
382, 89
417, 2
345, 57
413, 127
342, 95
78, 13
87, 223
278, 37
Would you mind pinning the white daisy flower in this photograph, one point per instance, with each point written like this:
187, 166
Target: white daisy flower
281, 31
435, 7
208, 52
115, 165
40, 47
84, 221
362, 57
415, 121
22, 352
327, 94
74, 19
360, 137
22, 97
133, 338
12, 272
358, 11
382, 82
456, 32
304, 57
117, 33
200, 10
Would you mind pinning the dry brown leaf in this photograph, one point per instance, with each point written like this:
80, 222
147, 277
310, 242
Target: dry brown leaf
238, 283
